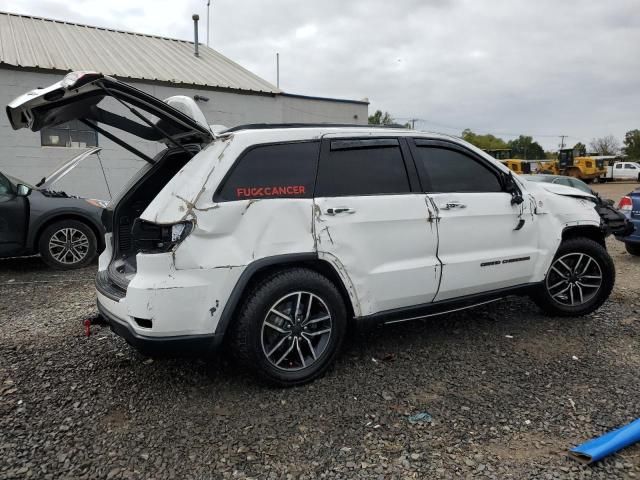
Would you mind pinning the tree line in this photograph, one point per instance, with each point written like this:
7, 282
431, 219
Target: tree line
526, 148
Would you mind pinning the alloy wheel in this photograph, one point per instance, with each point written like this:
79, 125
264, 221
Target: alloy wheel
296, 331
68, 245
574, 279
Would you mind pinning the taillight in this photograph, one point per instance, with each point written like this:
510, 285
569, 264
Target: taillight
153, 238
625, 204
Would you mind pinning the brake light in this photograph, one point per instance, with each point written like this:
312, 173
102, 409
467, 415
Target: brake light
153, 238
625, 204
79, 78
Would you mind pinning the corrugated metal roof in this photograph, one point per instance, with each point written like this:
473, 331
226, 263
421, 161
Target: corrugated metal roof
34, 42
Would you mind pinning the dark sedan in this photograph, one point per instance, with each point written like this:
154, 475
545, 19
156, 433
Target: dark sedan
65, 230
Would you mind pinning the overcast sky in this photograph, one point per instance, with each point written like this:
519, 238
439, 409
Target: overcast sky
543, 68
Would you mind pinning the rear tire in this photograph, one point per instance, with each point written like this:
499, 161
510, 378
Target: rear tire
290, 327
579, 280
632, 248
67, 245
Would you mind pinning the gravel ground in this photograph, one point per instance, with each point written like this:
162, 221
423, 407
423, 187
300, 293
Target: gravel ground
508, 391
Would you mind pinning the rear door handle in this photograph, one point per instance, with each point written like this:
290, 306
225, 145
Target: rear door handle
338, 210
453, 204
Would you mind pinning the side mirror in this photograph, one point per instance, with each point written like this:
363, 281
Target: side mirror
511, 186
22, 190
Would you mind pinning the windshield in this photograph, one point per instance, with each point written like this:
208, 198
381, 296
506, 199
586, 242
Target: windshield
538, 178
579, 184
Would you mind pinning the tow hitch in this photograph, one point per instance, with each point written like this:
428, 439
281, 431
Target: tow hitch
95, 320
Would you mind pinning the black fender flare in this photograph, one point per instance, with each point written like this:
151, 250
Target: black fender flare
255, 268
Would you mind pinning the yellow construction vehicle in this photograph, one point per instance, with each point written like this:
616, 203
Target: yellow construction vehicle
580, 166
514, 164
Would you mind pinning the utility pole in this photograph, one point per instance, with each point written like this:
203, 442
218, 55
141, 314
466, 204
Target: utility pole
277, 70
562, 137
208, 19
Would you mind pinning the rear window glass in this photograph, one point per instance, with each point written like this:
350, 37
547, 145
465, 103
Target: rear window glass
273, 171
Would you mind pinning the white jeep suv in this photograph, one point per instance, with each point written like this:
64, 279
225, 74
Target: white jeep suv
274, 239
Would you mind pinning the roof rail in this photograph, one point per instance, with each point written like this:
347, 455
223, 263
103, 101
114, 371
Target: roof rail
266, 126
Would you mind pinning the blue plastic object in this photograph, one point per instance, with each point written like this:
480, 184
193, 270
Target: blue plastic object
609, 443
420, 417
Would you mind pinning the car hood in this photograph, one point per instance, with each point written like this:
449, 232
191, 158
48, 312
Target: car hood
560, 190
47, 182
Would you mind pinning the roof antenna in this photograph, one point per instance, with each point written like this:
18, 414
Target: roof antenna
196, 17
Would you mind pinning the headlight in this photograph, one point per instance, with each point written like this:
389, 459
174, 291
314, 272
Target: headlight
97, 203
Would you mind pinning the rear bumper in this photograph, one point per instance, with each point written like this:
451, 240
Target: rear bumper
158, 318
198, 345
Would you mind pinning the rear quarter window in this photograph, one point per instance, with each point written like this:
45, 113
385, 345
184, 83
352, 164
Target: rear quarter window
284, 170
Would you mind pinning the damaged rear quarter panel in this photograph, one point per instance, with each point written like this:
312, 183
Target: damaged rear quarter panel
178, 199
233, 233
227, 236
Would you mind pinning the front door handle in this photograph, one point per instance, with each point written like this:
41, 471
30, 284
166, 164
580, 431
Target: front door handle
452, 204
338, 210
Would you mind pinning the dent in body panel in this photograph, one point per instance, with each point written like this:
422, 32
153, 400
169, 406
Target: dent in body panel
346, 280
554, 213
183, 195
237, 233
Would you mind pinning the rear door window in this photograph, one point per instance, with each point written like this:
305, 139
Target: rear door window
445, 170
286, 170
354, 167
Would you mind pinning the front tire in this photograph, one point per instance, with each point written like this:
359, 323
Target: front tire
290, 328
579, 281
632, 248
67, 244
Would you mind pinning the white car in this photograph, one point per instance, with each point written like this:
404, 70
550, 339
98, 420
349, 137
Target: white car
623, 171
273, 240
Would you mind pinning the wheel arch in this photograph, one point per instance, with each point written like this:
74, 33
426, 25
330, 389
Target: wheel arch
263, 268
587, 231
35, 238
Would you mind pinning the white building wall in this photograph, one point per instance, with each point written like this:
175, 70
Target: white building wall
22, 156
